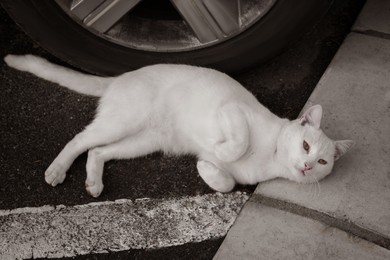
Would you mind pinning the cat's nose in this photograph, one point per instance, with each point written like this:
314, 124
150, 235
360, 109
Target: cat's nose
307, 166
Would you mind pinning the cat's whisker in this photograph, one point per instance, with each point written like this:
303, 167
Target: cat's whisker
317, 184
314, 184
316, 187
311, 192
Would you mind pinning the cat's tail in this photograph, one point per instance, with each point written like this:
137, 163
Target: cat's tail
74, 80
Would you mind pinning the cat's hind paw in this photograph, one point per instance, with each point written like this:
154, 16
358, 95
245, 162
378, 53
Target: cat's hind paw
93, 188
55, 174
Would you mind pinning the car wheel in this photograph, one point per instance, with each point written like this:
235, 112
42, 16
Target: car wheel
109, 37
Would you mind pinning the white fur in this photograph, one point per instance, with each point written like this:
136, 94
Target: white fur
183, 109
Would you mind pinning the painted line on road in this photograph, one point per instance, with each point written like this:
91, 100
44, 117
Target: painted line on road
60, 231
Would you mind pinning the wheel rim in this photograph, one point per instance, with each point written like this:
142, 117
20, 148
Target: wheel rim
205, 22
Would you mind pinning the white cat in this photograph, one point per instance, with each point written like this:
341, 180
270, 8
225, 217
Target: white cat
183, 109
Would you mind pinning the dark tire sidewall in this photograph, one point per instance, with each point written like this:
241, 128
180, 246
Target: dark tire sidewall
46, 23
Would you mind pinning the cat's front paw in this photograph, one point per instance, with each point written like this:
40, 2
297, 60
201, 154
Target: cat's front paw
55, 174
94, 188
214, 177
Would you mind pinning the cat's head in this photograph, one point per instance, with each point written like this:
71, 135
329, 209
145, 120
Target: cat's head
306, 151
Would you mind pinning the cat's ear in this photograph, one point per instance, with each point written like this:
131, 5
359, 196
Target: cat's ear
342, 147
312, 116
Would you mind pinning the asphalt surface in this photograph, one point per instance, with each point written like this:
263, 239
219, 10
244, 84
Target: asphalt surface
38, 118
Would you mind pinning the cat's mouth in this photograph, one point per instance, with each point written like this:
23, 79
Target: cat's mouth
301, 176
301, 172
304, 172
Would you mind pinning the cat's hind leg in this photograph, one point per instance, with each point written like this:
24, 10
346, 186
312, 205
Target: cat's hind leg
100, 132
216, 178
130, 147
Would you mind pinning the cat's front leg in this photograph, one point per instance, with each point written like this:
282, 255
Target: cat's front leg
235, 131
214, 177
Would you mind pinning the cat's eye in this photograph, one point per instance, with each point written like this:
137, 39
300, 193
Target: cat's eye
322, 161
306, 146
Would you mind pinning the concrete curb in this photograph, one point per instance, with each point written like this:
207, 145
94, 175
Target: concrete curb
355, 200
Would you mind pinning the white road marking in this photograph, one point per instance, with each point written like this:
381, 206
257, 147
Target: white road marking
61, 231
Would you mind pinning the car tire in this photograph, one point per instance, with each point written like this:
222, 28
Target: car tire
47, 24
